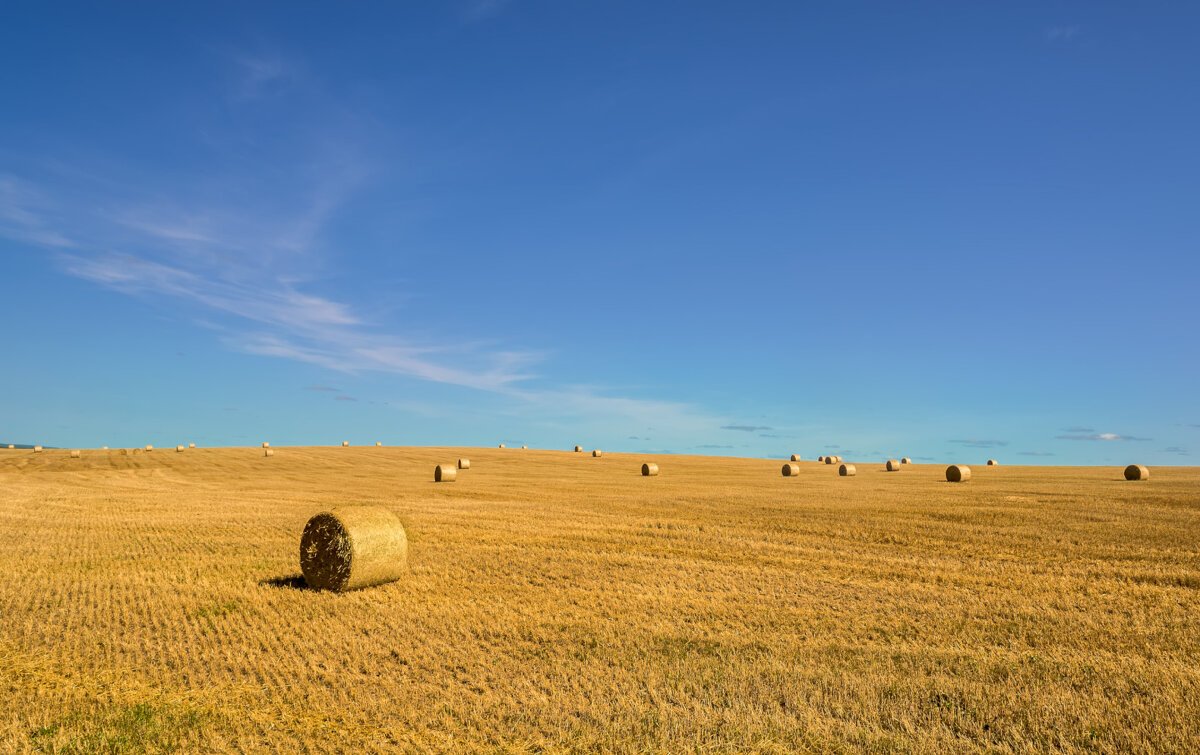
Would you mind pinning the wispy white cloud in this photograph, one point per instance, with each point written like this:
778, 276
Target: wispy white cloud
1062, 33
1101, 436
22, 219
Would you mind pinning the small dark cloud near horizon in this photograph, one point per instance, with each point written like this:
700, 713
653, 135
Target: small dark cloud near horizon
230, 409
1101, 436
321, 388
973, 443
634, 437
713, 445
924, 458
746, 428
1175, 450
1034, 453
344, 398
1078, 430
769, 435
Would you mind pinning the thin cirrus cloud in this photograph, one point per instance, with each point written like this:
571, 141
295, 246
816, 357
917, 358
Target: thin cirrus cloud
745, 428
1034, 453
974, 443
1101, 436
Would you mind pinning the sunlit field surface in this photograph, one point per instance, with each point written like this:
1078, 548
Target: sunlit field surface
556, 601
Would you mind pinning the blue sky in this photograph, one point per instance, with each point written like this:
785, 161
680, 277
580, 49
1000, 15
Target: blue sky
950, 231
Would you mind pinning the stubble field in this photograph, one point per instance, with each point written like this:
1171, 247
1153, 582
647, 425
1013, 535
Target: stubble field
555, 601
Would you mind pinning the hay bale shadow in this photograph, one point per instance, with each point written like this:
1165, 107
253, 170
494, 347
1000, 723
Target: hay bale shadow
294, 582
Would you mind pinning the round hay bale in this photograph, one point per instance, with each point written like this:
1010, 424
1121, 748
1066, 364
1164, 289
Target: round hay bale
791, 470
821, 459
649, 470
149, 449
268, 452
502, 445
992, 463
795, 457
847, 470
958, 473
345, 444
104, 449
444, 473
266, 444
178, 449
191, 445
828, 459
1136, 472
11, 447
37, 449
353, 547
597, 453
906, 460
578, 449
378, 444
464, 463
893, 465
74, 454
524, 447
124, 451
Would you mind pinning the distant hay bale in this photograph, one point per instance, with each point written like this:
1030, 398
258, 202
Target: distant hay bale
266, 444
524, 447
268, 452
906, 460
649, 470
11, 446
833, 460
578, 449
74, 454
795, 457
37, 449
597, 453
378, 444
345, 443
149, 449
893, 465
847, 470
502, 445
104, 449
1136, 472
791, 470
464, 463
444, 473
821, 458
992, 463
191, 445
353, 547
178, 449
958, 473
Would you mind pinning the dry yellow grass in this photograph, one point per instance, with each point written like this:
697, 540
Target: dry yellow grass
555, 604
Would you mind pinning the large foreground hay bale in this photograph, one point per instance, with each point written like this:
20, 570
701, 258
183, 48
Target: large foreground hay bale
906, 460
795, 457
649, 470
893, 465
74, 454
958, 473
992, 463
268, 452
1136, 472
597, 453
847, 470
353, 547
578, 449
791, 470
464, 463
444, 473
